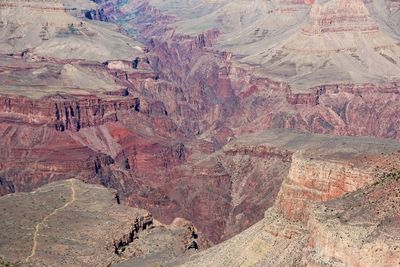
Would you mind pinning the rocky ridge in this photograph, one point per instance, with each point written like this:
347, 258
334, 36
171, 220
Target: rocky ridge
152, 125
72, 223
53, 24
318, 224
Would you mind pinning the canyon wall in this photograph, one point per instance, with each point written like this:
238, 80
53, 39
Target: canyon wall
317, 180
357, 229
328, 222
245, 98
164, 131
341, 16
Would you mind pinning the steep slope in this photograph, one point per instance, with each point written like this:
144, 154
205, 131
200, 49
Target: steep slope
299, 46
27, 75
245, 26
342, 38
245, 98
388, 12
228, 191
70, 223
274, 241
47, 47
357, 229
153, 126
348, 221
48, 29
364, 226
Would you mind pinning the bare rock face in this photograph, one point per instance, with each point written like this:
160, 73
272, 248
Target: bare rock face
227, 191
70, 223
340, 16
387, 11
274, 241
330, 221
223, 193
6, 187
297, 71
360, 228
339, 31
318, 180
162, 121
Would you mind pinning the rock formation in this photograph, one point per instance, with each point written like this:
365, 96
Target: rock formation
72, 223
340, 16
326, 222
361, 225
156, 100
43, 26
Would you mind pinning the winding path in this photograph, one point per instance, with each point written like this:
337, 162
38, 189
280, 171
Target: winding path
36, 233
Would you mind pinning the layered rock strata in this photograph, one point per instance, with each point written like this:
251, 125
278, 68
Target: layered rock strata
323, 222
149, 125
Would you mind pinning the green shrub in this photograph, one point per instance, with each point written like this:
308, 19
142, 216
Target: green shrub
72, 28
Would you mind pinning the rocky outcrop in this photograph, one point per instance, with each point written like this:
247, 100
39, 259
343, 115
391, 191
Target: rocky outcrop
48, 24
141, 223
6, 187
181, 61
358, 229
340, 16
329, 221
317, 180
307, 98
96, 14
274, 241
227, 191
156, 126
72, 223
224, 193
66, 113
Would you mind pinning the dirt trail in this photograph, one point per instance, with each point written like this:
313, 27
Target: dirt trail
37, 228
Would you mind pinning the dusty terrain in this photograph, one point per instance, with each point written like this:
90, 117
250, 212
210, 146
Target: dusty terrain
349, 221
298, 43
142, 124
171, 103
48, 29
70, 223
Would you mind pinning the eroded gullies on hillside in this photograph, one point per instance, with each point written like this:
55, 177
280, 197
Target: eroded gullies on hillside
342, 229
160, 135
121, 131
299, 43
56, 33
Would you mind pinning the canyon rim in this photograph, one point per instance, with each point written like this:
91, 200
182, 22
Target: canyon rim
199, 133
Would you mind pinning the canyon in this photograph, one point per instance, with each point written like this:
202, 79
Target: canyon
246, 118
336, 207
339, 232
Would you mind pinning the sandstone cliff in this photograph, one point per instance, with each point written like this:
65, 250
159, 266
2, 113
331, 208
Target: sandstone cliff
359, 229
315, 100
340, 219
155, 125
